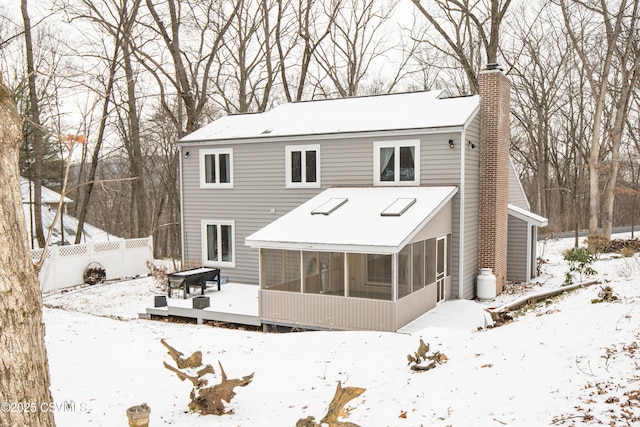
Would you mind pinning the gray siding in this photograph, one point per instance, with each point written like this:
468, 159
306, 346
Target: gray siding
472, 174
330, 312
259, 187
517, 250
517, 197
326, 312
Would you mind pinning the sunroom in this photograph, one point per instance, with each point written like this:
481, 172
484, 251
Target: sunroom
357, 258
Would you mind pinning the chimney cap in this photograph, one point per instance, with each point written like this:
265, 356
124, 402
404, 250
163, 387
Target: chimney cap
494, 66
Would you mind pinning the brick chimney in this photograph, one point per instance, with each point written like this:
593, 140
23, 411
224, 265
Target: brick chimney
494, 89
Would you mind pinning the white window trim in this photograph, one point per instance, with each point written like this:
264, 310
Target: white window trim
287, 158
216, 152
203, 235
377, 145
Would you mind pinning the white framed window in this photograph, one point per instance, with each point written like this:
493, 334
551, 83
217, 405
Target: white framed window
396, 162
303, 166
216, 168
218, 243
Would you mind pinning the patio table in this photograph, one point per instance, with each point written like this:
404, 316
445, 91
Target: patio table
192, 277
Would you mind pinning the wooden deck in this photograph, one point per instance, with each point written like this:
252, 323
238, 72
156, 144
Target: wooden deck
234, 303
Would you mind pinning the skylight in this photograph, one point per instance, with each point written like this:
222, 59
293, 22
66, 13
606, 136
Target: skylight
329, 206
398, 207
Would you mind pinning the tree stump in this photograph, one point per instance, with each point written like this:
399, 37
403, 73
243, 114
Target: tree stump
205, 400
336, 409
418, 360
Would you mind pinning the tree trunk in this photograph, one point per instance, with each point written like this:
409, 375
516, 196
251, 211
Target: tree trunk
629, 77
24, 371
95, 157
142, 228
36, 128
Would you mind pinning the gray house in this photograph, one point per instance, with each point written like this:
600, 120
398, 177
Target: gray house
359, 213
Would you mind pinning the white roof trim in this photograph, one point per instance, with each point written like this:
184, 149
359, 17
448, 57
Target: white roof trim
527, 216
357, 225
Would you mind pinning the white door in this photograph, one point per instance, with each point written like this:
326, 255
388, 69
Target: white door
441, 262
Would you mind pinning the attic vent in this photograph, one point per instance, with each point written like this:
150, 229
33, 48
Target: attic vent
329, 206
266, 131
398, 207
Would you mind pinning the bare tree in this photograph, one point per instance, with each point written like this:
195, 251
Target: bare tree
627, 68
356, 40
583, 22
35, 128
299, 29
25, 379
183, 75
121, 26
246, 74
132, 137
538, 63
465, 24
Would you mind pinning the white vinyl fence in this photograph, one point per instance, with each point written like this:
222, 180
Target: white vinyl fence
64, 266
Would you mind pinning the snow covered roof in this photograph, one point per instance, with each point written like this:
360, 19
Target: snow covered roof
60, 235
90, 233
364, 220
527, 216
403, 111
48, 196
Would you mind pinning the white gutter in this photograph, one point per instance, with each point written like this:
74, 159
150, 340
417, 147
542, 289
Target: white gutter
181, 206
463, 146
322, 136
463, 173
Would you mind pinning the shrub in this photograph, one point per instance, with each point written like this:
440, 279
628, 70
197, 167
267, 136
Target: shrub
597, 243
580, 260
605, 294
627, 252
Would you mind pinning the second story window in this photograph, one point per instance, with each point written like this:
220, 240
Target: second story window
303, 166
396, 162
216, 168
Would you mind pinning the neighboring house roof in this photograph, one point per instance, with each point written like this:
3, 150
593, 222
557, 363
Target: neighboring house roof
362, 220
527, 216
70, 224
90, 233
403, 111
48, 196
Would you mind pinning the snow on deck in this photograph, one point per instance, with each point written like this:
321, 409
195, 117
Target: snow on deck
233, 298
463, 315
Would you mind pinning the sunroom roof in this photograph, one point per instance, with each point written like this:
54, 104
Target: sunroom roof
359, 223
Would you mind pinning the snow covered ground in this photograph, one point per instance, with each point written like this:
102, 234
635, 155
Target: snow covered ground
563, 363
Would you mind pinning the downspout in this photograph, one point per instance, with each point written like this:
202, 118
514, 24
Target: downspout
394, 277
462, 215
182, 232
